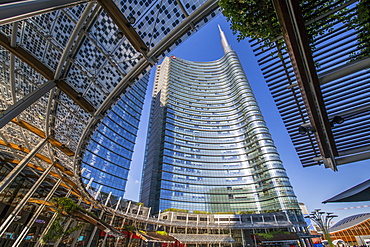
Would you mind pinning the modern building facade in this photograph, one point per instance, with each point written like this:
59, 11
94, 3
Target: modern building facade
107, 159
208, 147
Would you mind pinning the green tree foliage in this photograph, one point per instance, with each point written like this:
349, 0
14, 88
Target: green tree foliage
128, 228
250, 18
163, 233
56, 231
64, 206
272, 234
271, 211
257, 19
224, 213
247, 212
200, 212
361, 22
364, 23
176, 210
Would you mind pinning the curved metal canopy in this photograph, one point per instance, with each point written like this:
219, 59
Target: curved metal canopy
64, 64
320, 82
358, 193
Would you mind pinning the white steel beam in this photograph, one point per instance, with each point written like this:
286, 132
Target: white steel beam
16, 170
14, 110
4, 226
41, 207
19, 10
344, 70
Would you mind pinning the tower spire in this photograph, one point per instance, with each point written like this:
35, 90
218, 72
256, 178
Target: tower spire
225, 45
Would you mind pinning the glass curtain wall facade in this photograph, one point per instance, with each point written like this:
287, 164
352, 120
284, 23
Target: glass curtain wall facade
208, 147
108, 156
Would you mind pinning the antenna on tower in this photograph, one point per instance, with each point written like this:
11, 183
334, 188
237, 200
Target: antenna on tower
225, 45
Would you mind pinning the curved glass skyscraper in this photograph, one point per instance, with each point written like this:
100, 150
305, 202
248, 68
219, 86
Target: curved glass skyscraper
208, 147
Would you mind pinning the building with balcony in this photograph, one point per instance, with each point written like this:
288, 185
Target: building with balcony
208, 147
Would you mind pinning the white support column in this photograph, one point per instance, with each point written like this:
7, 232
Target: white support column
89, 183
171, 221
148, 213
67, 224
24, 200
243, 241
123, 223
83, 170
159, 216
111, 222
254, 237
146, 223
108, 198
16, 170
74, 243
47, 118
25, 230
128, 207
17, 108
19, 10
72, 38
38, 244
100, 216
13, 43
97, 193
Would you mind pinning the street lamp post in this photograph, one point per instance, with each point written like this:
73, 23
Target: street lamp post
323, 220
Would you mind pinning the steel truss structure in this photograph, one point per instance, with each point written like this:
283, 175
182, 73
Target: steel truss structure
63, 65
322, 92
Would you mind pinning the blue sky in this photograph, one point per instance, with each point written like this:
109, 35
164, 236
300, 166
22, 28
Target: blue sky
312, 185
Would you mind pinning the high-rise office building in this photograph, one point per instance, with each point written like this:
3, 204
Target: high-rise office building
208, 147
